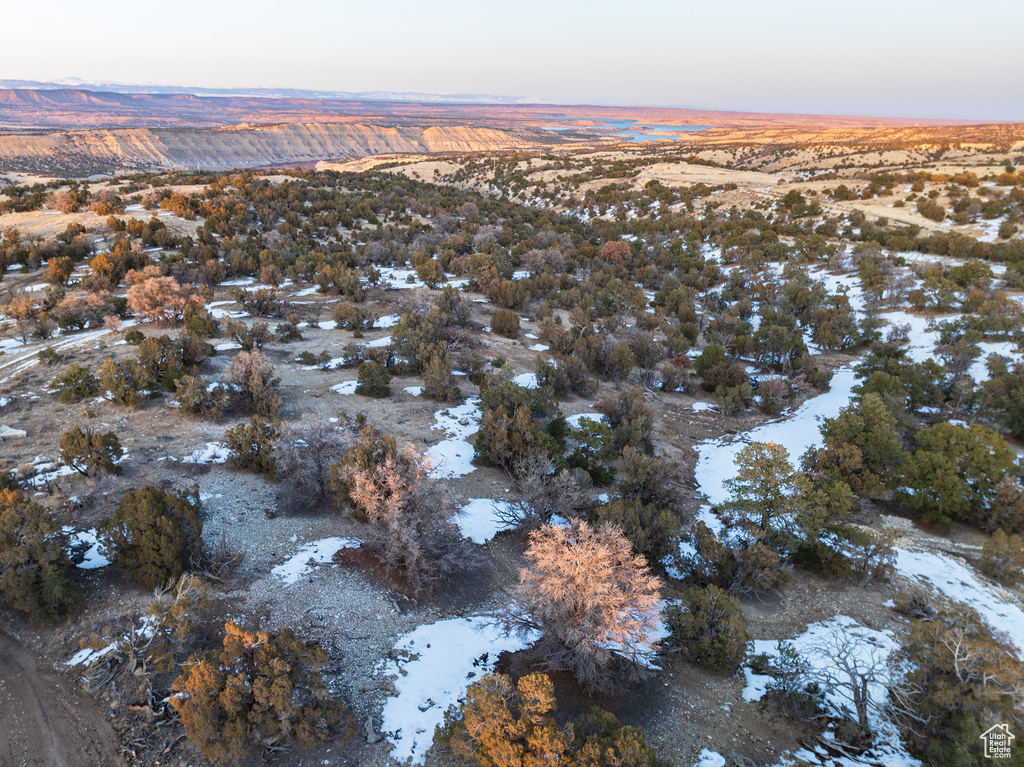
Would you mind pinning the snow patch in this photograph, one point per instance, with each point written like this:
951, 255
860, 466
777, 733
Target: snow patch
319, 552
214, 452
479, 519
434, 665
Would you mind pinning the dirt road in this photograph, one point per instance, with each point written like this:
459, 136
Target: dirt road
44, 720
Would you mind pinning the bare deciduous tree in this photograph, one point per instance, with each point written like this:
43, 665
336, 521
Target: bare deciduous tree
594, 602
305, 453
409, 519
543, 493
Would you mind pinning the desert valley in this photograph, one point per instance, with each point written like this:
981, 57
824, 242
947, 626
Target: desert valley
353, 432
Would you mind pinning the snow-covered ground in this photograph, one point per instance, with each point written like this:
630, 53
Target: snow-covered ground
320, 552
345, 387
93, 558
479, 519
452, 457
800, 431
214, 452
709, 758
574, 420
864, 649
432, 667
958, 582
526, 380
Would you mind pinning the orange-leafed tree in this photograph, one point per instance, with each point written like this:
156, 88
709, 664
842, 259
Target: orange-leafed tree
153, 297
263, 689
594, 602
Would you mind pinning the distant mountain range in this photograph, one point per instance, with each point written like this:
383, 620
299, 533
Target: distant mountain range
76, 128
265, 93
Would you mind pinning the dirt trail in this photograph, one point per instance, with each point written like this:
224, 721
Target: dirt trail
45, 721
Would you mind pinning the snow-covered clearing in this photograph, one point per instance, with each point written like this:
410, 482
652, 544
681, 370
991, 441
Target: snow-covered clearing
958, 582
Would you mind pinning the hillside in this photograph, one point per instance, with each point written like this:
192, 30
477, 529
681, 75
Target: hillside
242, 146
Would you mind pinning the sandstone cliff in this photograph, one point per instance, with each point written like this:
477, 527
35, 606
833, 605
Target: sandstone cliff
245, 146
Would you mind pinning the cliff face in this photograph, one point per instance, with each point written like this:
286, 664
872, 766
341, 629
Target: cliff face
244, 146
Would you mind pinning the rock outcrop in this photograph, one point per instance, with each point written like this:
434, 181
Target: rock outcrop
245, 146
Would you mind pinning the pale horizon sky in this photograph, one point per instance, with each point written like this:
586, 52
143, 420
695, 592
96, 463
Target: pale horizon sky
901, 58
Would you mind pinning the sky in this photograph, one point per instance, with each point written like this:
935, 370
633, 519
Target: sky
899, 58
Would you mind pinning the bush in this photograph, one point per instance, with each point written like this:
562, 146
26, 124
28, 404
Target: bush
958, 680
587, 593
196, 396
591, 447
712, 357
709, 629
261, 688
438, 382
49, 356
373, 380
953, 473
498, 725
348, 316
931, 209
164, 359
249, 337
154, 535
789, 687
199, 321
369, 451
506, 441
288, 331
126, 381
253, 374
34, 560
631, 418
251, 445
87, 451
542, 491
647, 479
1002, 558
651, 530
304, 456
505, 322
75, 383
748, 568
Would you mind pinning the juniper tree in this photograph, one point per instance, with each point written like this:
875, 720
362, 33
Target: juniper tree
262, 689
154, 535
35, 560
87, 451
